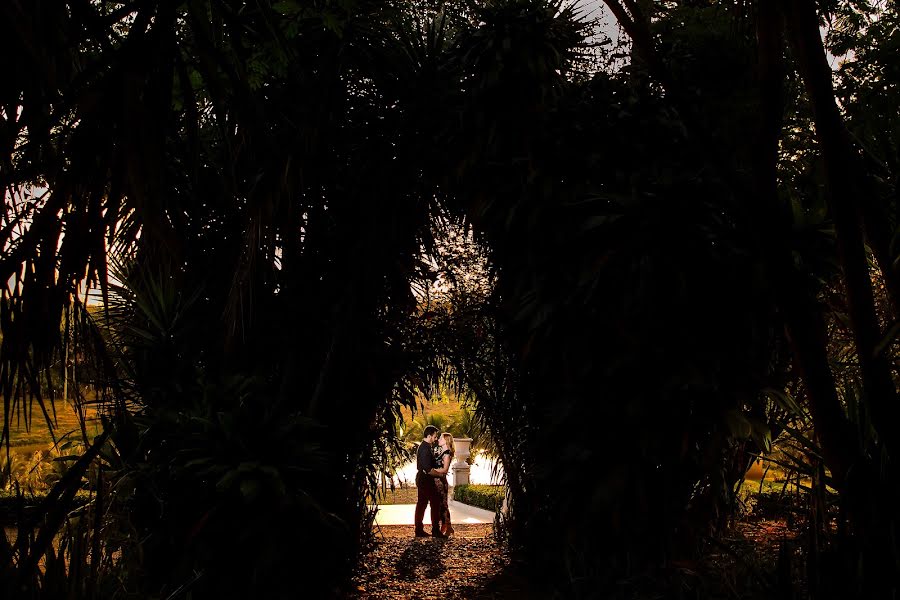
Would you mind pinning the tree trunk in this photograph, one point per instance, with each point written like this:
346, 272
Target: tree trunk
872, 496
804, 324
844, 175
878, 229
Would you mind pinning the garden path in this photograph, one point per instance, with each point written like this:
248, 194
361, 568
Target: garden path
469, 564
403, 514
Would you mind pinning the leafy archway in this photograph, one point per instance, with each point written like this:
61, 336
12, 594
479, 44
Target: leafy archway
252, 190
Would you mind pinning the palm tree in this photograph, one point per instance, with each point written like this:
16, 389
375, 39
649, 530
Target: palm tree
255, 190
254, 172
858, 218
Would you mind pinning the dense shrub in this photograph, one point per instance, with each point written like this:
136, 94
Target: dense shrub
488, 497
26, 505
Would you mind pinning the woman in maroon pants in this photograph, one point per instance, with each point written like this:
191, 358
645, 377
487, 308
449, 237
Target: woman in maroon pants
442, 460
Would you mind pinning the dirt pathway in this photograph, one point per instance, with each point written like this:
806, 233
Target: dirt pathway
402, 566
470, 565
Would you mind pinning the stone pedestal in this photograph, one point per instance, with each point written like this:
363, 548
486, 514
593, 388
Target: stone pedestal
460, 466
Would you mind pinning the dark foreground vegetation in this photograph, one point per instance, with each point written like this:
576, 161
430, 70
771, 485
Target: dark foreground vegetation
643, 261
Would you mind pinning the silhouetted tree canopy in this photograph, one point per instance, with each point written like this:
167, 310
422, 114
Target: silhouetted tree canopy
658, 257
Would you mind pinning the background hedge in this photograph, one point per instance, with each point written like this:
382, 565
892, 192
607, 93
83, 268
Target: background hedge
488, 497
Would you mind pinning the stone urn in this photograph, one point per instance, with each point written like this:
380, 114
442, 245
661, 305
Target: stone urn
460, 467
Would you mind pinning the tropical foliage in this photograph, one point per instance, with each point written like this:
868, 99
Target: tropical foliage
643, 264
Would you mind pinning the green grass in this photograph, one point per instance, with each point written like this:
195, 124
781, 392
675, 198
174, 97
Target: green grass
404, 495
768, 487
27, 440
492, 495
777, 487
447, 409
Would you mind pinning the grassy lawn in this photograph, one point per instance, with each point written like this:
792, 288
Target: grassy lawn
408, 495
404, 495
776, 487
445, 408
27, 440
768, 487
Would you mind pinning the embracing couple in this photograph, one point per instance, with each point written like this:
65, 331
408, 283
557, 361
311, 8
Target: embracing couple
432, 465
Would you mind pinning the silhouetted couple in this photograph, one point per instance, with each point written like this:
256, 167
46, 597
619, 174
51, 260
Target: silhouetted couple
432, 465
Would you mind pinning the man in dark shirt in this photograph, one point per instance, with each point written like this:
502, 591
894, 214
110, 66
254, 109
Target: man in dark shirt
425, 488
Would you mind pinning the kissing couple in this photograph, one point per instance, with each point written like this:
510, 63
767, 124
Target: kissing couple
433, 460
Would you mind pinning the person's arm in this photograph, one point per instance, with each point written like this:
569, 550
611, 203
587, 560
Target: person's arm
446, 468
423, 459
432, 472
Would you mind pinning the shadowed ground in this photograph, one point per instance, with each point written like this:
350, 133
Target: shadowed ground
467, 565
744, 565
